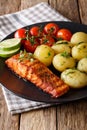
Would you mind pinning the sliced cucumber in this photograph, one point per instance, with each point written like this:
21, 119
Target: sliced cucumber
6, 54
10, 44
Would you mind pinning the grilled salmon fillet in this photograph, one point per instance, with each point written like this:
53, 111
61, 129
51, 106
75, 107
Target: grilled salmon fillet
36, 72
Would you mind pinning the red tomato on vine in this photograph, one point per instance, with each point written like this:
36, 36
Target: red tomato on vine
64, 34
31, 44
51, 28
36, 31
20, 33
47, 40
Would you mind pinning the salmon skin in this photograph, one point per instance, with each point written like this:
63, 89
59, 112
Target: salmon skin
31, 69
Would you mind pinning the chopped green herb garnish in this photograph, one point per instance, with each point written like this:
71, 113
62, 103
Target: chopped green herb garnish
25, 56
65, 54
70, 72
49, 54
80, 43
45, 41
59, 39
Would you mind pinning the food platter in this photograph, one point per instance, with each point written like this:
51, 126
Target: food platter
28, 90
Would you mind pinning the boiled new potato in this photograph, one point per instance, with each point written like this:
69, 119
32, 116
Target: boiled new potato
74, 78
79, 51
61, 46
63, 61
78, 37
45, 54
82, 65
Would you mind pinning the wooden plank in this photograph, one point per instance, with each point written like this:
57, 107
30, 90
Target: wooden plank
9, 6
69, 9
72, 116
30, 3
83, 11
53, 3
7, 121
43, 119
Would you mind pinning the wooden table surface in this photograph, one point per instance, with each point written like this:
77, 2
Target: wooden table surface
69, 116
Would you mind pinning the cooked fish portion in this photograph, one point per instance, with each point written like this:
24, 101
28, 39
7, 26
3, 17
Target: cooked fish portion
33, 70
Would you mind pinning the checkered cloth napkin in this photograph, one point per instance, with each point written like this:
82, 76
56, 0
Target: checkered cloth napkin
8, 23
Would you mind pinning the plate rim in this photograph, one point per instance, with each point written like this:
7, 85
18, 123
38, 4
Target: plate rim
68, 100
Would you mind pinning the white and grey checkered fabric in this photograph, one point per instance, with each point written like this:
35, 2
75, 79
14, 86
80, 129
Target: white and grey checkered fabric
8, 23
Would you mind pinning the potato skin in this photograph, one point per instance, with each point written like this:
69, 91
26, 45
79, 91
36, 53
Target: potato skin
61, 62
74, 78
45, 54
82, 65
61, 46
78, 37
79, 51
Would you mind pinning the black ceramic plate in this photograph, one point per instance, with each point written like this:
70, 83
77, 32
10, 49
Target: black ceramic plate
28, 90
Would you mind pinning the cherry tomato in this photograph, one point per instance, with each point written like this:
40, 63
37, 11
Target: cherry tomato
64, 34
20, 33
51, 28
36, 31
47, 40
31, 44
